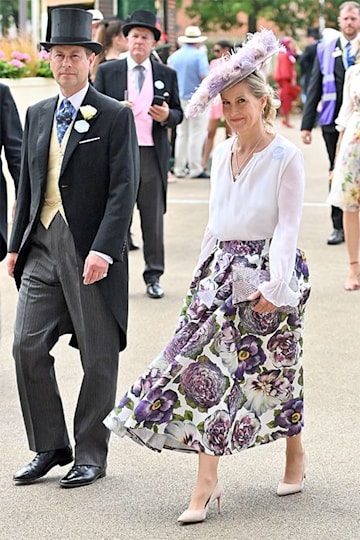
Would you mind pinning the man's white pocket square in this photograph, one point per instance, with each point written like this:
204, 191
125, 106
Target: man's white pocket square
89, 140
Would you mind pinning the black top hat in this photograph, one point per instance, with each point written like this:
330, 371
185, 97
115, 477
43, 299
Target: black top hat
144, 19
71, 26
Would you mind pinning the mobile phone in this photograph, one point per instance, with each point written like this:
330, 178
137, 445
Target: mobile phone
158, 100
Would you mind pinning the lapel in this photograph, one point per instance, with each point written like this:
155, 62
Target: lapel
158, 78
339, 62
117, 82
46, 120
75, 137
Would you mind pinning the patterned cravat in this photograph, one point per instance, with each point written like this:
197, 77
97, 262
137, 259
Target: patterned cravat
140, 72
349, 57
64, 116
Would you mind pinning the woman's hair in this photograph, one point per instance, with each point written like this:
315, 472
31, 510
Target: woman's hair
105, 33
259, 88
224, 44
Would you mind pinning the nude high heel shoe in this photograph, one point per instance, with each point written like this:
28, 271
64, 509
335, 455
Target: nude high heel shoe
289, 489
196, 516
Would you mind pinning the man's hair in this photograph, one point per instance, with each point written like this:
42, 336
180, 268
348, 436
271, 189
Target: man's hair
349, 5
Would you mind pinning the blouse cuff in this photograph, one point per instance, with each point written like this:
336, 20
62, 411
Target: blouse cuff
280, 293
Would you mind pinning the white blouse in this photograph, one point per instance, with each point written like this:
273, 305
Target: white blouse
265, 202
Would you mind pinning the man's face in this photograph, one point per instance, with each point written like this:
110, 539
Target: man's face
70, 65
140, 43
94, 27
349, 22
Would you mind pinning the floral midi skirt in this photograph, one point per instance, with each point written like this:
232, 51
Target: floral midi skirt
230, 378
345, 186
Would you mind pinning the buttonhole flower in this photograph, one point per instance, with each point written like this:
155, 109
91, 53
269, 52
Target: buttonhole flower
87, 112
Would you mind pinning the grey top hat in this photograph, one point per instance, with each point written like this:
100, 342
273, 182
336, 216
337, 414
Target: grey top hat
71, 26
143, 19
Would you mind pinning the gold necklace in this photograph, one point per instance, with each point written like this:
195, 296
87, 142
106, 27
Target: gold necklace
239, 167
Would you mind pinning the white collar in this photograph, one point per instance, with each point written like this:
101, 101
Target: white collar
76, 99
132, 63
344, 41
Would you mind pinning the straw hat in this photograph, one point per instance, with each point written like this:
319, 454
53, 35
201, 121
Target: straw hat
192, 35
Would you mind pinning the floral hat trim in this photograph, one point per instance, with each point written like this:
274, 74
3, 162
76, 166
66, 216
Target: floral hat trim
233, 68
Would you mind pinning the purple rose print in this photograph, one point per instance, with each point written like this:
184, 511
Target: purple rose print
284, 346
234, 400
123, 401
294, 320
225, 290
301, 266
144, 383
180, 339
244, 248
228, 307
259, 323
249, 355
291, 417
201, 338
196, 308
305, 296
203, 384
222, 267
157, 407
244, 431
226, 337
216, 432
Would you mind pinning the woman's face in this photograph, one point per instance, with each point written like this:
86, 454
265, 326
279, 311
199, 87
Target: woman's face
241, 109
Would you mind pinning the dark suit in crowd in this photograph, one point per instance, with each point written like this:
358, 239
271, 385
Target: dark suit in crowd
112, 80
333, 57
329, 131
10, 141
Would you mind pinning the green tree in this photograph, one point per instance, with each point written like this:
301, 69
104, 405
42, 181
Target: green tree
9, 12
289, 16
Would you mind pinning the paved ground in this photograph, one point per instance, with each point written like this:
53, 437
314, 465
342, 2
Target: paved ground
145, 492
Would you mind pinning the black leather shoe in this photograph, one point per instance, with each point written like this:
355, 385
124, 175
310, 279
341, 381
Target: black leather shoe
153, 290
42, 463
203, 174
336, 237
82, 475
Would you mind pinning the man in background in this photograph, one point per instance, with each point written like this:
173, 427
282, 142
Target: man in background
326, 85
97, 17
191, 65
10, 142
306, 59
150, 90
